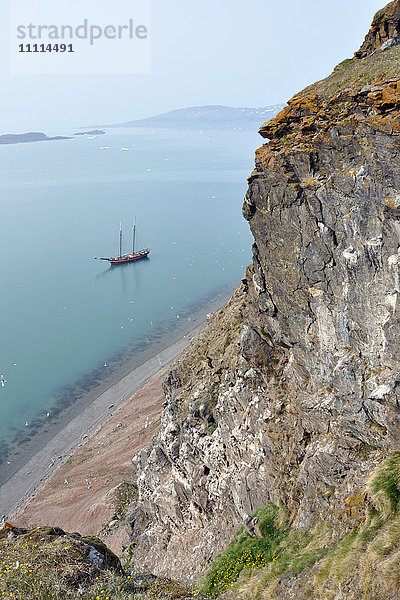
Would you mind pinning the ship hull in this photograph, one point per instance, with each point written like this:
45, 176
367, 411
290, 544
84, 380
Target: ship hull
121, 260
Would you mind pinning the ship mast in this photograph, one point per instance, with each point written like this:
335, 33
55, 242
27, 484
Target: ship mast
133, 237
120, 239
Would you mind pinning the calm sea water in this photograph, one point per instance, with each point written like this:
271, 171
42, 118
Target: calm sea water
63, 314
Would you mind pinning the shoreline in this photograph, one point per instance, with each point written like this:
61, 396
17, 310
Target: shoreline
50, 450
20, 486
103, 458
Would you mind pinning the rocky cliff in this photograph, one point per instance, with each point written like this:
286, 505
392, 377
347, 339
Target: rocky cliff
290, 397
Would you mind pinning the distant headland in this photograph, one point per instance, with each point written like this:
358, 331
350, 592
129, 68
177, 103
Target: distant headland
92, 132
32, 136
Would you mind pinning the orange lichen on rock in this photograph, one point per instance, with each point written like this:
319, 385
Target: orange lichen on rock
298, 108
307, 120
385, 26
386, 95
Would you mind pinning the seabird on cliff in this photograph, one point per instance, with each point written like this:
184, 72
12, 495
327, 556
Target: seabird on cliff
361, 173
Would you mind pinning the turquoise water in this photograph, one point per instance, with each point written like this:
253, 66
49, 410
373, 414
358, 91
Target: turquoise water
63, 314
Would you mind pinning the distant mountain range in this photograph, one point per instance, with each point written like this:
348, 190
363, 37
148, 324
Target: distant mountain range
193, 117
214, 116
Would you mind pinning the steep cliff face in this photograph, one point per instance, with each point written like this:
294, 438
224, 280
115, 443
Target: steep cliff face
291, 395
385, 27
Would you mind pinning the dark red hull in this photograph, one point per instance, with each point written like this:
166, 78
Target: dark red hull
127, 258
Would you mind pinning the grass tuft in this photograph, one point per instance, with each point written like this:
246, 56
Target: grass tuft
344, 63
46, 563
278, 549
384, 486
372, 551
368, 553
124, 495
356, 73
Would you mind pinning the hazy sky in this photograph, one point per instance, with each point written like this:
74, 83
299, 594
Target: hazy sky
232, 52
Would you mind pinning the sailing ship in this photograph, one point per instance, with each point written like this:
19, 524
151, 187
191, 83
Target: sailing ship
131, 256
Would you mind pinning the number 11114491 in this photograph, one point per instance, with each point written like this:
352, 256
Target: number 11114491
45, 48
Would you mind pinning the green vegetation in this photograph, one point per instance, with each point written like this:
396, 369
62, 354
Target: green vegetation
344, 62
356, 73
77, 459
385, 485
43, 565
125, 494
228, 341
342, 558
368, 552
371, 549
214, 393
279, 548
211, 428
167, 540
167, 590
